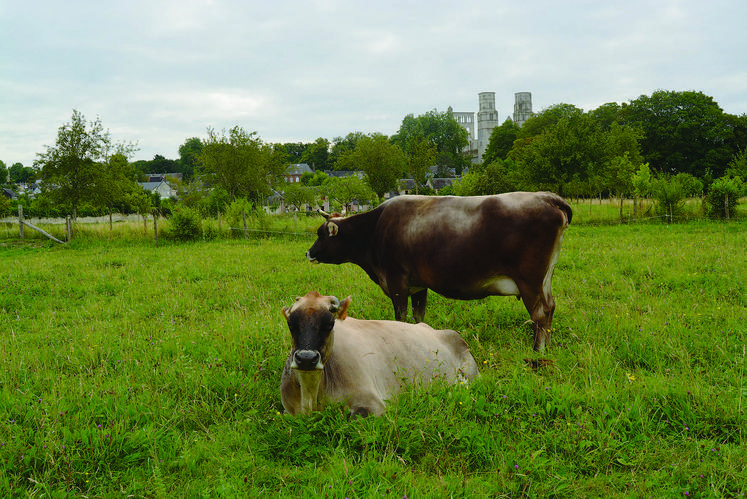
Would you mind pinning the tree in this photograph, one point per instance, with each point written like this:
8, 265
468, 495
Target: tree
294, 151
241, 163
189, 154
684, 132
71, 168
490, 178
573, 154
341, 147
348, 190
317, 155
4, 206
116, 183
641, 181
3, 173
501, 141
440, 129
20, 174
420, 157
383, 163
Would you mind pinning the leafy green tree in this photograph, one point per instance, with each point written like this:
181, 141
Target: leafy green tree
670, 192
546, 120
501, 141
3, 173
738, 165
606, 115
4, 206
116, 184
341, 147
684, 132
71, 168
296, 195
20, 174
160, 164
490, 178
440, 129
314, 179
317, 155
421, 155
294, 151
382, 162
348, 190
574, 155
641, 181
189, 154
723, 196
242, 164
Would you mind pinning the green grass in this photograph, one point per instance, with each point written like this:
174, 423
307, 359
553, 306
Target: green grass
129, 370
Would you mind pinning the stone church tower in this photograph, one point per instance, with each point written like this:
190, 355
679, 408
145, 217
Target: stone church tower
487, 119
522, 107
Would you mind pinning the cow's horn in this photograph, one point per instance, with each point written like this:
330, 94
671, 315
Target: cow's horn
324, 214
334, 304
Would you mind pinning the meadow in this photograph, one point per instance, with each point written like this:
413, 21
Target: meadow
135, 370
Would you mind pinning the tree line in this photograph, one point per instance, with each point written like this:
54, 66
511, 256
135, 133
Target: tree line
669, 145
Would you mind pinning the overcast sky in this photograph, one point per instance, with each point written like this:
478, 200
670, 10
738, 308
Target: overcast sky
159, 72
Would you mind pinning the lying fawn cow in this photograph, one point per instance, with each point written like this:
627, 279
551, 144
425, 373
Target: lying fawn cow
362, 362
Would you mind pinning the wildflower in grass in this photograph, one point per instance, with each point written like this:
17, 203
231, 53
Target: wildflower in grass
631, 378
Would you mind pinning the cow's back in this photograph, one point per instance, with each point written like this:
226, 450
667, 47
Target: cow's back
381, 355
459, 246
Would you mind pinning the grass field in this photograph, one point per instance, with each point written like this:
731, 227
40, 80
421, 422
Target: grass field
130, 370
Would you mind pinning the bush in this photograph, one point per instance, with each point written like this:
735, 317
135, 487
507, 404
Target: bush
723, 189
185, 224
235, 215
669, 196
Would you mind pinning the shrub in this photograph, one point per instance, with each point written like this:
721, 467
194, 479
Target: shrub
723, 190
185, 224
235, 214
669, 196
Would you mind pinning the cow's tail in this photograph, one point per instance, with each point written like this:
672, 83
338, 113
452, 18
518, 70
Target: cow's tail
562, 205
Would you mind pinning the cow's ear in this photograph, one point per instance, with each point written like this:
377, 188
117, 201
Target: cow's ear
342, 312
332, 229
286, 312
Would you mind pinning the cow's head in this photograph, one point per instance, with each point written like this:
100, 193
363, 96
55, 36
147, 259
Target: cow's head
328, 247
311, 321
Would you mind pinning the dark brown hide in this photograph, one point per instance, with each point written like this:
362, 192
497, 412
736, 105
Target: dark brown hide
460, 247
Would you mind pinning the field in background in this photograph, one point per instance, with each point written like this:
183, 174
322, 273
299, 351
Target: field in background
589, 211
134, 370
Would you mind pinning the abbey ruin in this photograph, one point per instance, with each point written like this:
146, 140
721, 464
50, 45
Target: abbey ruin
487, 119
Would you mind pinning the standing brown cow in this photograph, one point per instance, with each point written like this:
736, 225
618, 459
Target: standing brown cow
465, 248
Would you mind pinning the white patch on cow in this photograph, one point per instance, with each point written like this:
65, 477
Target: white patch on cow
547, 283
309, 381
502, 285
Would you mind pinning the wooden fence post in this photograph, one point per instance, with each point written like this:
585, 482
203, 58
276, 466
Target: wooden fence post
20, 219
726, 205
243, 216
155, 227
69, 228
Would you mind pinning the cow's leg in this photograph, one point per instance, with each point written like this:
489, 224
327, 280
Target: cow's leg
540, 305
399, 300
419, 301
399, 293
365, 404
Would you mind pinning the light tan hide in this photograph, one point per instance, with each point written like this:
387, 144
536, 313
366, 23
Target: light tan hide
364, 362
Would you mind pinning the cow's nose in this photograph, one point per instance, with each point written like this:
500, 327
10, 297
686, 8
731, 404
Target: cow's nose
307, 360
311, 258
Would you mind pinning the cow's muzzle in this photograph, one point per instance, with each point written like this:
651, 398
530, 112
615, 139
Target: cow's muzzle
311, 258
307, 360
